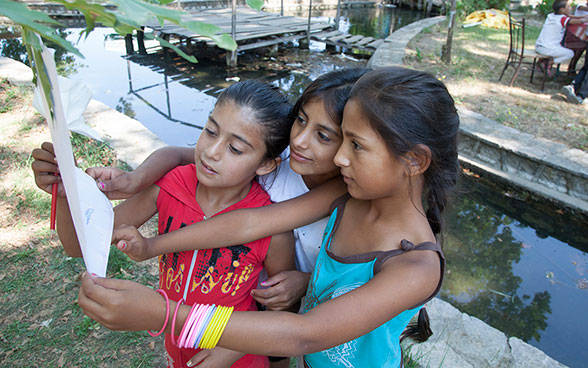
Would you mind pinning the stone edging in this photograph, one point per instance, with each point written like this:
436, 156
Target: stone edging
460, 340
128, 137
549, 169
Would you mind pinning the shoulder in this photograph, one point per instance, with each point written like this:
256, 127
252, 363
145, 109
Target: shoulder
421, 267
256, 197
182, 176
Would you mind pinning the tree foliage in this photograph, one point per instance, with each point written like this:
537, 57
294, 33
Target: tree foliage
126, 17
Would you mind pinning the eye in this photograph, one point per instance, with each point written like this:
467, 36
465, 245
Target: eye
234, 150
355, 145
210, 132
323, 137
300, 120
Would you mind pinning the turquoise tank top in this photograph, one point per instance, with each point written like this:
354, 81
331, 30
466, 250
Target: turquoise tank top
334, 276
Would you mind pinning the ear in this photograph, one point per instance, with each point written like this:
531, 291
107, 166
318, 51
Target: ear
418, 160
268, 166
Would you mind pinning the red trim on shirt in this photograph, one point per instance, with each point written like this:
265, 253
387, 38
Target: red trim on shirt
564, 21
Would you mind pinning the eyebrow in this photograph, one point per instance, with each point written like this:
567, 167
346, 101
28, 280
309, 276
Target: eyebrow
354, 136
323, 126
233, 134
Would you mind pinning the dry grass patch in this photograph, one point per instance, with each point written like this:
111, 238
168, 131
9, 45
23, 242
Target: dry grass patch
478, 56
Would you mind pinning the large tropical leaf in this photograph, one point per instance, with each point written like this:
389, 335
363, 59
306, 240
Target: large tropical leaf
35, 21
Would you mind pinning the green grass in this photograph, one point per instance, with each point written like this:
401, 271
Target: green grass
41, 324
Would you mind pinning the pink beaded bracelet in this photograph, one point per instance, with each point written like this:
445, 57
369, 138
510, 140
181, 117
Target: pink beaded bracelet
164, 294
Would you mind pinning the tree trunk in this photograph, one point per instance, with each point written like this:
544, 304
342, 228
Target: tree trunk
446, 52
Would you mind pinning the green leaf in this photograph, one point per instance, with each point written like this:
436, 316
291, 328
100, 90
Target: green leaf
255, 4
140, 12
31, 20
201, 28
165, 43
225, 41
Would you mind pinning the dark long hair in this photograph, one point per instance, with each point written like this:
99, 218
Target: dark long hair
333, 88
272, 111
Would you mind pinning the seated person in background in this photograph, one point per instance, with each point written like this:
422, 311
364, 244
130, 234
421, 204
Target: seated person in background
576, 38
578, 90
549, 40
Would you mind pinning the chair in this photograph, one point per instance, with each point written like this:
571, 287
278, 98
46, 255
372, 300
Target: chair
517, 52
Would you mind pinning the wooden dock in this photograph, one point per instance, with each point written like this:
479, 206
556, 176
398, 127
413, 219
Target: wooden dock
258, 29
346, 40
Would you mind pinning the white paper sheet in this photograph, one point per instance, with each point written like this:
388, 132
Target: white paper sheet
91, 211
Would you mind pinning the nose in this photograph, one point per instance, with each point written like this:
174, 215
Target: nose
340, 158
215, 149
300, 138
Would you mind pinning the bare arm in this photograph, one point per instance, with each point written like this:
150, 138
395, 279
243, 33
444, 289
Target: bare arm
133, 211
117, 184
247, 225
574, 19
402, 282
280, 255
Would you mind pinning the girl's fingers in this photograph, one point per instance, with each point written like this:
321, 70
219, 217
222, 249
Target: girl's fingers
48, 146
44, 155
197, 359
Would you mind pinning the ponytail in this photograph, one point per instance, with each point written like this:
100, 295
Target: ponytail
418, 331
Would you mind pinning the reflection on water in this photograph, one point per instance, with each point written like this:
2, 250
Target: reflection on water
526, 280
517, 265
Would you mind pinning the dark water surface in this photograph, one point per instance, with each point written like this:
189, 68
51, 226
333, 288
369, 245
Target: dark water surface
517, 263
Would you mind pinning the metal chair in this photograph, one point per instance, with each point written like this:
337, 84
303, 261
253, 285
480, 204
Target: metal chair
518, 55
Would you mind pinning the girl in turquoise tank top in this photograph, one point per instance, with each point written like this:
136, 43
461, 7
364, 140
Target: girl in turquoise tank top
380, 259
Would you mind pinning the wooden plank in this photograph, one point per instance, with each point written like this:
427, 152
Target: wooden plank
351, 39
328, 34
365, 41
340, 37
375, 44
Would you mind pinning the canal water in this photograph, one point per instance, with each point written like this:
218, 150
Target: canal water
516, 262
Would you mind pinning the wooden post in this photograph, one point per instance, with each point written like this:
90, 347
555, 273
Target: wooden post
282, 8
308, 29
141, 41
232, 56
129, 44
446, 50
338, 16
429, 7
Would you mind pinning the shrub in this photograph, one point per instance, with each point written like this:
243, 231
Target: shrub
545, 7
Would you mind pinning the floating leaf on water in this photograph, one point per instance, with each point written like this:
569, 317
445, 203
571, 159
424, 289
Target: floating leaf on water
525, 246
582, 284
549, 275
500, 240
559, 212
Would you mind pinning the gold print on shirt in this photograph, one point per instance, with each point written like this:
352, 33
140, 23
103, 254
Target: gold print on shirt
230, 281
170, 278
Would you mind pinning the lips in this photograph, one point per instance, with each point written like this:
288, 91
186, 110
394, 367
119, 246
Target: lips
207, 169
298, 157
346, 179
